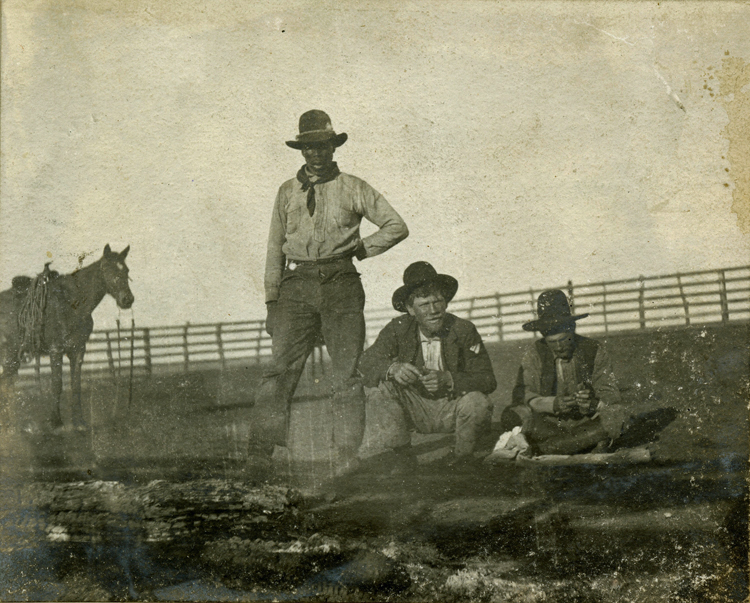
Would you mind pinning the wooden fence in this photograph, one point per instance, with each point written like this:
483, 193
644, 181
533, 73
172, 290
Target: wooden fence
691, 298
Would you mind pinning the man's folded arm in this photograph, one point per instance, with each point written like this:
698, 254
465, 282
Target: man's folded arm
391, 227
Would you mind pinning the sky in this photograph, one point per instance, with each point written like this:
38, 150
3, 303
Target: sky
525, 144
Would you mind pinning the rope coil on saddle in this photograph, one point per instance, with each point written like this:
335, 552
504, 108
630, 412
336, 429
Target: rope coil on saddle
31, 316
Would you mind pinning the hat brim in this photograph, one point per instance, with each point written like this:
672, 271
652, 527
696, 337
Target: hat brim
448, 285
308, 139
544, 324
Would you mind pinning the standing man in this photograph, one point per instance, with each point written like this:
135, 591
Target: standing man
430, 368
313, 288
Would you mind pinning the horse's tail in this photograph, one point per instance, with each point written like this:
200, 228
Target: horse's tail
31, 316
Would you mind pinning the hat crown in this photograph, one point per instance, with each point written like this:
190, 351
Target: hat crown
419, 272
315, 128
422, 273
553, 303
315, 121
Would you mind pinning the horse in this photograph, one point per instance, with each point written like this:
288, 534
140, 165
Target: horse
65, 323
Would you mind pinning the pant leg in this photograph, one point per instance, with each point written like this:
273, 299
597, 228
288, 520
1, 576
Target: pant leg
515, 416
385, 417
296, 325
343, 326
552, 437
427, 415
472, 414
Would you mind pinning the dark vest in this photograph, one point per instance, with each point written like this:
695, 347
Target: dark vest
584, 354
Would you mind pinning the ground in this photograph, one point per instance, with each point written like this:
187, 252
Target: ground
156, 500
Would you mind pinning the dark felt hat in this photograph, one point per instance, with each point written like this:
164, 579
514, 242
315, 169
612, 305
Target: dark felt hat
553, 309
419, 274
314, 127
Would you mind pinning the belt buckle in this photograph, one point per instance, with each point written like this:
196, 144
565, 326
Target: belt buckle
292, 265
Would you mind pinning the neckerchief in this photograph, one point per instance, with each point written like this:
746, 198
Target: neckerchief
309, 186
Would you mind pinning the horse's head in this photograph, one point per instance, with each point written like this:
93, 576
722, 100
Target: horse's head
115, 274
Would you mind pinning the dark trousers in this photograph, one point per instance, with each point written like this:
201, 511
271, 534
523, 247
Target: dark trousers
547, 435
314, 299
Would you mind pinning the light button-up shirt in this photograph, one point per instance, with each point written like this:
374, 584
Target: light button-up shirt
332, 230
432, 352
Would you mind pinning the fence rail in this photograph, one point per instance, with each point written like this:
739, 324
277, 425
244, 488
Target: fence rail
688, 298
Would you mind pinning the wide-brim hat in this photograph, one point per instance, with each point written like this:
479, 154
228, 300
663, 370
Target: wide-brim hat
315, 127
553, 310
419, 274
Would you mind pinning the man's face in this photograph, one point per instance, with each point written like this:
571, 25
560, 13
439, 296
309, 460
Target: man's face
562, 345
429, 312
318, 157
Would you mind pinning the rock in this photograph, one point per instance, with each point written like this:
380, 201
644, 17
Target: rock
367, 571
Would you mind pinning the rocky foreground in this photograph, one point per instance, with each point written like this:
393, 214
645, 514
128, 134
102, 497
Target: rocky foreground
502, 535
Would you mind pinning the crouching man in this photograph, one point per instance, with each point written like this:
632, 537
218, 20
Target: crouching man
566, 397
430, 368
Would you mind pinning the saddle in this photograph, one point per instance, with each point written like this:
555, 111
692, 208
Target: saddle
20, 284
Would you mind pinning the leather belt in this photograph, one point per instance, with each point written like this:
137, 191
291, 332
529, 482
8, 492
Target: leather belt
294, 263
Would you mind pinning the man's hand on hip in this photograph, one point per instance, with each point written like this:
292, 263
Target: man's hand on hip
404, 373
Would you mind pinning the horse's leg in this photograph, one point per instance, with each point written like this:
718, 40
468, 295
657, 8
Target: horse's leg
8, 372
56, 361
76, 360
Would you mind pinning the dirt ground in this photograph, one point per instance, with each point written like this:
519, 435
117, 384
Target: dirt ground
155, 501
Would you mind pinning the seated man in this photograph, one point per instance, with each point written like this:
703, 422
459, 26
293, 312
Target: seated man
566, 397
430, 368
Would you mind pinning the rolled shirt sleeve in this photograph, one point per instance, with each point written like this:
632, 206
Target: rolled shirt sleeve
391, 227
333, 229
275, 258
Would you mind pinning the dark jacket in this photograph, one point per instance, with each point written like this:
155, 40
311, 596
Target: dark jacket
537, 375
399, 341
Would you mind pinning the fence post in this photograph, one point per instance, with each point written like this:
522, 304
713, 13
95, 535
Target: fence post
642, 302
220, 343
571, 298
498, 297
110, 358
119, 357
132, 360
261, 327
604, 307
684, 300
185, 351
533, 310
147, 350
723, 296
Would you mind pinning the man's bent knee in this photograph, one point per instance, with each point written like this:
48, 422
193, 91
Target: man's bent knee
476, 405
